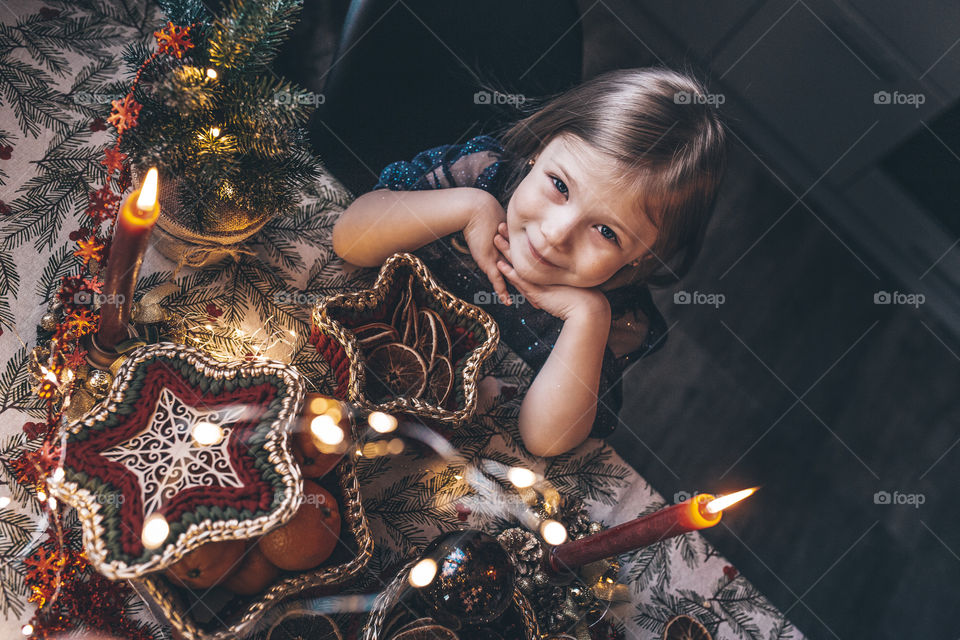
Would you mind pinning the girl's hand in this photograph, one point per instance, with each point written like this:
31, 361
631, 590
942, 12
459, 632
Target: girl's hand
559, 300
479, 234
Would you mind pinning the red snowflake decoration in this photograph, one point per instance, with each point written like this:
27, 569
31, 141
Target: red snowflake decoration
103, 203
98, 124
76, 358
93, 284
89, 249
113, 160
81, 322
124, 113
173, 40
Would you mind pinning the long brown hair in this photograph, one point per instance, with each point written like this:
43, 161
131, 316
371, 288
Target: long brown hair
662, 129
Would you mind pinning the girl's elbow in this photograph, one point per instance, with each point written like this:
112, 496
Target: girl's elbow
543, 443
346, 247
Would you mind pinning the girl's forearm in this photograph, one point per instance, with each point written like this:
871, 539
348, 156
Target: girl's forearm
383, 222
561, 404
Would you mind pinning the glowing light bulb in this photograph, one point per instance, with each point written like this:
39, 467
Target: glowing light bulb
521, 478
41, 496
27, 629
334, 412
155, 531
319, 405
148, 192
52, 503
326, 429
206, 433
212, 74
58, 474
395, 446
423, 573
214, 132
4, 501
553, 532
382, 422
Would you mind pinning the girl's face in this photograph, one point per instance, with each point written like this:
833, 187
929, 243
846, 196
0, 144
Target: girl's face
568, 222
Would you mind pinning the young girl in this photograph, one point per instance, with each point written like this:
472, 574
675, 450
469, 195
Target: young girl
578, 207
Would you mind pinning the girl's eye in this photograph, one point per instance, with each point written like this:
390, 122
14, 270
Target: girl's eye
607, 232
558, 183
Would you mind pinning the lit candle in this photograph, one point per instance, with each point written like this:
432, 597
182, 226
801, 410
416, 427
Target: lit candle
134, 223
700, 512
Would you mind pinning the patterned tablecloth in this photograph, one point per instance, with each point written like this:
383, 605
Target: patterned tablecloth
55, 58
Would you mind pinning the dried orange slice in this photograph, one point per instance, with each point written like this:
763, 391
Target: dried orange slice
444, 343
685, 628
398, 313
397, 369
440, 380
427, 335
375, 334
409, 317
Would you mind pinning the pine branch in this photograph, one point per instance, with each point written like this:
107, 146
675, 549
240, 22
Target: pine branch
9, 286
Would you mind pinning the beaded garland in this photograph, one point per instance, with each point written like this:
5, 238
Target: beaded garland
134, 455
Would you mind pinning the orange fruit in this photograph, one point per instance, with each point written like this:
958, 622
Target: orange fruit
313, 462
440, 381
254, 574
310, 536
399, 369
207, 565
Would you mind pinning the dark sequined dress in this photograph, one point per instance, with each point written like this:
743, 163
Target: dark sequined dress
637, 329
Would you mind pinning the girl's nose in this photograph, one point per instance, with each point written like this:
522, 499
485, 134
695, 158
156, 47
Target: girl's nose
558, 228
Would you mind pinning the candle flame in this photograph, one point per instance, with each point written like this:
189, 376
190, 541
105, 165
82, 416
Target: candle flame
148, 192
719, 504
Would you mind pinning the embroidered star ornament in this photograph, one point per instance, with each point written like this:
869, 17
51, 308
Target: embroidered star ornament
198, 443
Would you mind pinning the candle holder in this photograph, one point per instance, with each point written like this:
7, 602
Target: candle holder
98, 356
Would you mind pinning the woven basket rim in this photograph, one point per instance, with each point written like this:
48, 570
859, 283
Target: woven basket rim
369, 299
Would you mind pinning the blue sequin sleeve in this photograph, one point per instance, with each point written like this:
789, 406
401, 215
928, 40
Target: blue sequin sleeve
472, 164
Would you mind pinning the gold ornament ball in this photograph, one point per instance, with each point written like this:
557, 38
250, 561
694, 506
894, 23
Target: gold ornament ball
48, 321
98, 382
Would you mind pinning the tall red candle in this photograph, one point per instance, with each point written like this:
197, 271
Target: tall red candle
135, 221
672, 521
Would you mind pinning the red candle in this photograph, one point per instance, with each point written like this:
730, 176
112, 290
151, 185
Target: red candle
134, 223
700, 512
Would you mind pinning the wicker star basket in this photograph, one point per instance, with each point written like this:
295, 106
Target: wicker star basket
220, 615
474, 336
390, 597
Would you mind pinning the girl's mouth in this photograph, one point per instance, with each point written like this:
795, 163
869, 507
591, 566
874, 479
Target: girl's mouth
539, 258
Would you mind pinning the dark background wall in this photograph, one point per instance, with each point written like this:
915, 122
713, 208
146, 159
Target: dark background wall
799, 382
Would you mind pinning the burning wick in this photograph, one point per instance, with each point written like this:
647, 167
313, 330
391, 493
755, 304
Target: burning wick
719, 504
148, 193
